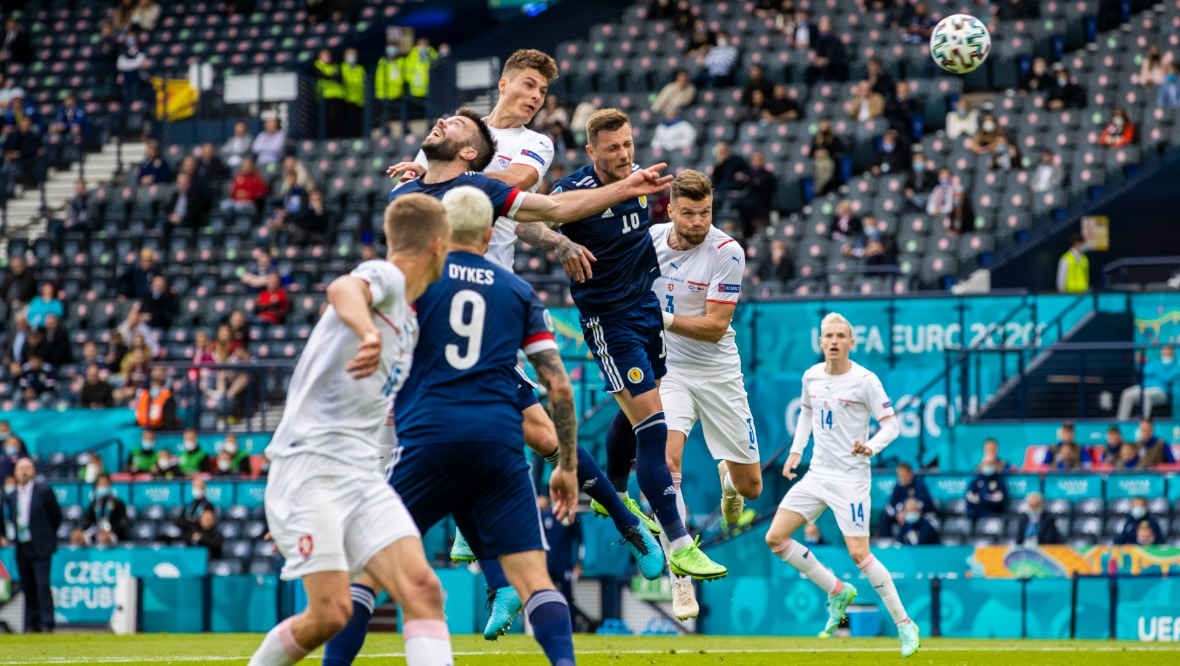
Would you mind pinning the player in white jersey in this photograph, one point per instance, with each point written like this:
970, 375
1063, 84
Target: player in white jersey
330, 511
839, 398
700, 281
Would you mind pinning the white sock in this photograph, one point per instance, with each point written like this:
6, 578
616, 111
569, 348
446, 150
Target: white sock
428, 643
882, 582
727, 482
799, 556
680, 508
624, 496
279, 647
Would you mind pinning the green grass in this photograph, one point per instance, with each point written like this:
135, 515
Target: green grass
596, 651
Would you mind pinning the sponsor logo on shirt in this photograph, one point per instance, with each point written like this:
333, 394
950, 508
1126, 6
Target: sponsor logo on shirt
731, 288
528, 153
607, 213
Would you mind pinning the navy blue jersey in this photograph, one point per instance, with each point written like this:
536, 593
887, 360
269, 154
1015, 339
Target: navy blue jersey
627, 264
506, 199
463, 383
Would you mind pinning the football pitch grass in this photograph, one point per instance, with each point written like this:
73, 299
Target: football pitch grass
189, 649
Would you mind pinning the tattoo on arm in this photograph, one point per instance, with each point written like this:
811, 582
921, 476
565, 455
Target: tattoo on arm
551, 373
539, 235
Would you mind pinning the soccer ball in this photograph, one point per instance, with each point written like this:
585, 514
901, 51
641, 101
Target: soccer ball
960, 43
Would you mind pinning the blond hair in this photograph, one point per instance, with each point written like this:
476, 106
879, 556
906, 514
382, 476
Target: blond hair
413, 221
835, 319
470, 213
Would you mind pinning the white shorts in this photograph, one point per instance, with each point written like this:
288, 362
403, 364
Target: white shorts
720, 404
325, 515
848, 499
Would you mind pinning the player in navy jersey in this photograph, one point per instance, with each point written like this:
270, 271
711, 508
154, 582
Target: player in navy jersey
624, 327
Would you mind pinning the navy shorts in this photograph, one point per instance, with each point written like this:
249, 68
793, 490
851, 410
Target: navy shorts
525, 395
486, 487
629, 347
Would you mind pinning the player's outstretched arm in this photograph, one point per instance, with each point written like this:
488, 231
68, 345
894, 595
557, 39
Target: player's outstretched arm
574, 258
575, 205
710, 328
351, 298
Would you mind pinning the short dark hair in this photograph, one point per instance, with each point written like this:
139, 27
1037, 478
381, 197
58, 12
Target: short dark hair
905, 465
484, 143
1074, 239
531, 59
605, 120
413, 221
102, 476
691, 185
1067, 426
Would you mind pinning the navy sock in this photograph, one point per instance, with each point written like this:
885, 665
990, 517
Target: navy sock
549, 615
595, 483
344, 646
493, 574
620, 451
655, 480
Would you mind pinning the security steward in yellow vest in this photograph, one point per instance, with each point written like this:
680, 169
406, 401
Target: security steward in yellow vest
389, 83
1073, 269
352, 75
330, 86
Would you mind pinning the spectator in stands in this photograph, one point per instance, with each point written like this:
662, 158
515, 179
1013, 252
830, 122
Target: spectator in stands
153, 168
661, 10
90, 357
1073, 269
132, 66
701, 39
901, 109
864, 104
247, 191
145, 16
16, 342
210, 168
1153, 68
777, 264
675, 95
293, 206
15, 47
914, 529
104, 58
13, 451
419, 61
1119, 132
207, 535
38, 516
894, 154
987, 138
34, 344
1155, 450
311, 226
909, 486
1039, 79
553, 120
1128, 457
353, 76
987, 494
190, 514
1006, 156
257, 276
962, 121
187, 206
236, 149
827, 60
272, 304
155, 406
730, 173
78, 210
167, 466
132, 375
826, 138
161, 305
991, 452
1168, 96
812, 535
674, 133
1036, 529
36, 379
1048, 174
223, 466
780, 107
942, 198
756, 108
1160, 379
46, 304
845, 225
756, 81
389, 83
919, 26
720, 63
1066, 94
1139, 521
241, 459
1070, 456
755, 204
920, 181
877, 246
192, 459
23, 150
71, 121
143, 459
56, 349
116, 350
795, 26
20, 284
271, 143
879, 80
1113, 447
96, 391
136, 325
105, 522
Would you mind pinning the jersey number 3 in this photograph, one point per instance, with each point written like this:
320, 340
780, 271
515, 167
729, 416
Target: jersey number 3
469, 326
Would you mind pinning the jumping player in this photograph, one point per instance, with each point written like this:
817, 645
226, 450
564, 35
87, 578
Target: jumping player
329, 509
839, 397
700, 281
623, 325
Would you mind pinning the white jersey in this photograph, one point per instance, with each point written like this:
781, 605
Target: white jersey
689, 280
517, 145
839, 407
330, 413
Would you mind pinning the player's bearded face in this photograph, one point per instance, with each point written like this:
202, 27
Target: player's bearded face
614, 153
692, 219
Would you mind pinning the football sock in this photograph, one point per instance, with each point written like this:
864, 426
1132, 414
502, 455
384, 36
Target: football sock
279, 647
799, 556
680, 508
595, 483
549, 615
620, 452
428, 643
651, 437
343, 648
493, 574
727, 482
882, 582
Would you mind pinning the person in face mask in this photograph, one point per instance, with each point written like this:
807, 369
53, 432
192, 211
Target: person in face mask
192, 460
985, 140
962, 121
187, 520
1168, 95
166, 466
1138, 521
389, 83
1035, 527
811, 535
1119, 132
353, 75
1040, 78
240, 459
913, 529
90, 467
144, 458
1161, 377
987, 494
12, 451
223, 465
909, 486
106, 522
1066, 94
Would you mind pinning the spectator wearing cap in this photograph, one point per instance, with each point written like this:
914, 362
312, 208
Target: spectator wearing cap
106, 521
1139, 521
1034, 528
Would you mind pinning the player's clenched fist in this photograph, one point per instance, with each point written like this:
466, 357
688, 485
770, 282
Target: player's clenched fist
859, 449
791, 464
368, 356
